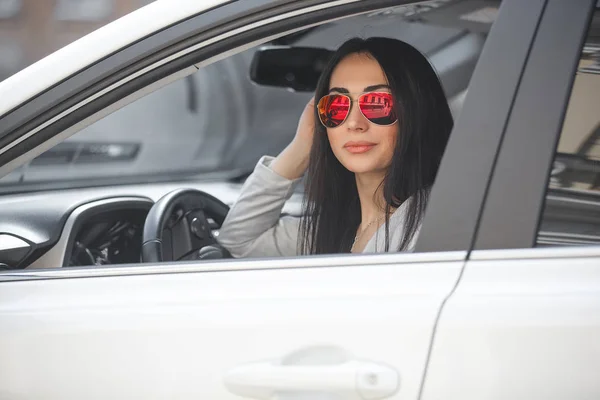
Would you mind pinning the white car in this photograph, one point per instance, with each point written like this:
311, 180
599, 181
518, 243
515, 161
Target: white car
155, 120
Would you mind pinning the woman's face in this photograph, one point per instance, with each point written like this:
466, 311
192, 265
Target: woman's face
360, 145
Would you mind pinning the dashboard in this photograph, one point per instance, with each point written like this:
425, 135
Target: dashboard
89, 227
94, 233
112, 236
92, 227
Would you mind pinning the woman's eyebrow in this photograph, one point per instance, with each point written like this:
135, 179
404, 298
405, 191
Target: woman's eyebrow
339, 90
375, 87
367, 89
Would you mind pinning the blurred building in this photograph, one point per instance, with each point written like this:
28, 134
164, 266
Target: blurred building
32, 29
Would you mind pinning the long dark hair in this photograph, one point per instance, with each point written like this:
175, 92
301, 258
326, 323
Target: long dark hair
331, 205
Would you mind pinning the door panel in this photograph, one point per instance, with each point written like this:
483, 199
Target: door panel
179, 335
522, 324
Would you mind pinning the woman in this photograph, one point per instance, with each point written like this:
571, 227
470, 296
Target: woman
382, 123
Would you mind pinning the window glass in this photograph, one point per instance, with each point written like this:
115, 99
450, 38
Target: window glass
209, 129
572, 211
219, 120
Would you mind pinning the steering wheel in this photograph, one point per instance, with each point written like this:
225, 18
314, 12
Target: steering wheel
179, 227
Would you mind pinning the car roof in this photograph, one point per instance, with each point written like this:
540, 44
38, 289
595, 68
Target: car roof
112, 37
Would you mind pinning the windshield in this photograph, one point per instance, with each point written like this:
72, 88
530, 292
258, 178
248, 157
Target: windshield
218, 120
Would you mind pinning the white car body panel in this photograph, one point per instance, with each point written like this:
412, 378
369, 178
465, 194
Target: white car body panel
178, 335
105, 41
522, 324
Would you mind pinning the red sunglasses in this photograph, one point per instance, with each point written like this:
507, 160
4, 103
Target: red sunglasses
377, 107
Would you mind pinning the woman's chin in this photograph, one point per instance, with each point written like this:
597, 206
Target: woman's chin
362, 166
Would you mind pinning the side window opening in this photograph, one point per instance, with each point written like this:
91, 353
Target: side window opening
209, 129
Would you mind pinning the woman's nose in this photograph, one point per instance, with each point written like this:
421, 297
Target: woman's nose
356, 121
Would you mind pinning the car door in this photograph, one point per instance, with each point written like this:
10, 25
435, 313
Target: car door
346, 326
524, 319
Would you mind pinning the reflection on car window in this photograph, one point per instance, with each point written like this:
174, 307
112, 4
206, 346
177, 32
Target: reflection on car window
572, 211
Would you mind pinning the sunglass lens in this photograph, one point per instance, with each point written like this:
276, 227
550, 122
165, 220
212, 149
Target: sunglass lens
333, 110
378, 108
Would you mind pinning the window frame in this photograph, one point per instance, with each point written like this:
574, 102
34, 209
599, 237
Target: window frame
127, 61
511, 221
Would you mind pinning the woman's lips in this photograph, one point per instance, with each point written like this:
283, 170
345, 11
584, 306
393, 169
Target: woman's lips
358, 147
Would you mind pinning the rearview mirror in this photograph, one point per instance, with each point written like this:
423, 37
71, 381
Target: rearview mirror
295, 68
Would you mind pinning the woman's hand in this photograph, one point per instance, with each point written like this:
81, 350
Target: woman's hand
306, 127
292, 162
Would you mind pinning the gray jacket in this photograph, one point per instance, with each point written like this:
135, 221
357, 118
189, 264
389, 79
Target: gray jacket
254, 226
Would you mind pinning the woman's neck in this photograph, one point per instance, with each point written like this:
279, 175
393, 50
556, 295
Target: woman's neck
370, 194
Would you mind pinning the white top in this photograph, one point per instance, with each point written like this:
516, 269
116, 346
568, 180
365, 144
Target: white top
254, 226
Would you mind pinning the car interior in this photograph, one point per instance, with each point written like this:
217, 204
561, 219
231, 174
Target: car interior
153, 181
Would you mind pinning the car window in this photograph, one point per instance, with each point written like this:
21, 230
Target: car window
572, 208
209, 129
218, 120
